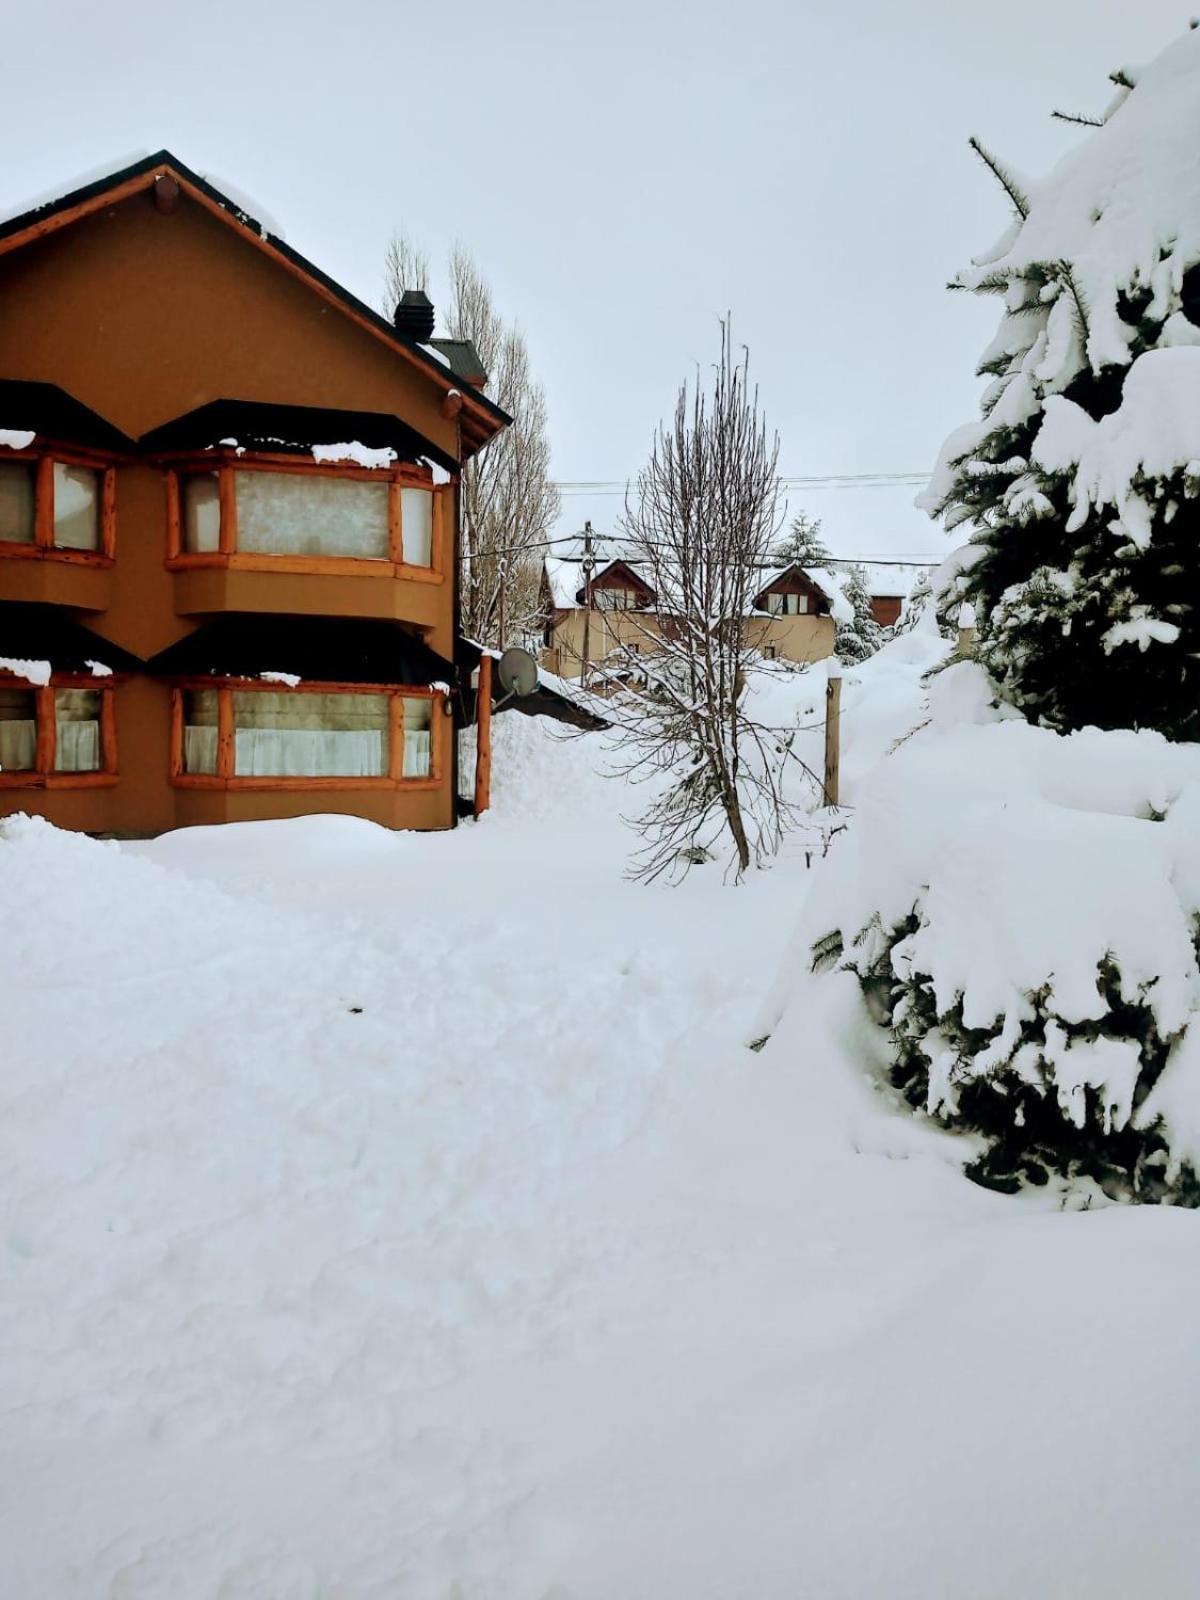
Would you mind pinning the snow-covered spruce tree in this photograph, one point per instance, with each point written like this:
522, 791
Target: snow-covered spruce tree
1081, 481
803, 543
861, 636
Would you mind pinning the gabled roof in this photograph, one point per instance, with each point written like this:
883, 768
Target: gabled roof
480, 419
321, 649
256, 425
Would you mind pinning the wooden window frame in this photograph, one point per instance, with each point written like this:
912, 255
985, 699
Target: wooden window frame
225, 778
43, 457
228, 463
43, 776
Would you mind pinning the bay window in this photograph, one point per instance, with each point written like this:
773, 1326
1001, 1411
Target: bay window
289, 517
58, 736
234, 735
57, 506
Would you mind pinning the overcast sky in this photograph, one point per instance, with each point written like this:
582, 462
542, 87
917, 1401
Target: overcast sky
624, 172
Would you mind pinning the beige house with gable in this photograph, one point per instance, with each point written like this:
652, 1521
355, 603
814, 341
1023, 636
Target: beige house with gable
792, 619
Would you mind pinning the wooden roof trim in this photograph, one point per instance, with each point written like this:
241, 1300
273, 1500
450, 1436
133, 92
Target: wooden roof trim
487, 420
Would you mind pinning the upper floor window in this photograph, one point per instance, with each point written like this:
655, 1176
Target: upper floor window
615, 599
299, 516
50, 505
787, 605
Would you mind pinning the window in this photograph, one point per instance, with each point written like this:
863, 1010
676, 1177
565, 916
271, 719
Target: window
18, 502
57, 736
18, 730
57, 505
263, 518
787, 605
77, 730
771, 652
298, 735
334, 737
202, 513
615, 599
280, 513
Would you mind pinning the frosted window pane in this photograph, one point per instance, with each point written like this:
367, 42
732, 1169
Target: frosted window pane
76, 513
418, 729
77, 730
17, 501
201, 514
310, 735
283, 513
416, 522
200, 731
18, 730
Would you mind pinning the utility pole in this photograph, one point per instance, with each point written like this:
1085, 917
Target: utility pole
833, 732
588, 565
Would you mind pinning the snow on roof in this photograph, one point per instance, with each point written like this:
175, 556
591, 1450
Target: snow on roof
50, 197
1123, 209
894, 579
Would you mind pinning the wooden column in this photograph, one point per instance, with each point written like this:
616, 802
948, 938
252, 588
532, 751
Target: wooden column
483, 737
833, 718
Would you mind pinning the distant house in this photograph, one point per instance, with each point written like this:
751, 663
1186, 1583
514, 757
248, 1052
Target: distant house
889, 583
790, 619
228, 522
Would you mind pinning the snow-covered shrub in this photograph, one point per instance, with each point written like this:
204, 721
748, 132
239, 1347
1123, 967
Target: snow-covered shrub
858, 636
1022, 909
1081, 483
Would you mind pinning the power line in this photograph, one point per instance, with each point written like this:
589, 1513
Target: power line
830, 480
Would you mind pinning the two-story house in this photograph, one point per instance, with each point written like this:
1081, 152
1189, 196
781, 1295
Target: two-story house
228, 521
613, 615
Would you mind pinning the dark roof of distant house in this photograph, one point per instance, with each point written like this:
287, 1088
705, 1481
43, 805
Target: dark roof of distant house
141, 174
545, 701
258, 425
320, 649
31, 632
51, 413
463, 359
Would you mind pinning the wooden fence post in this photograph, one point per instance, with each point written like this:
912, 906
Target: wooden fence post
833, 719
483, 736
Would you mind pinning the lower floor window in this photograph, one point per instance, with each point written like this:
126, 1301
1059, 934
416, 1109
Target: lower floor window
310, 735
77, 730
55, 730
306, 734
18, 730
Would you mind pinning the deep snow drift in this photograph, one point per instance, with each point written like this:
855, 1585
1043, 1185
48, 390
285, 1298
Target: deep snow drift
393, 1216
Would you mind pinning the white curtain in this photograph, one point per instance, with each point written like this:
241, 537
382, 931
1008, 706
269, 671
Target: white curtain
18, 745
200, 749
282, 513
416, 524
299, 735
76, 514
418, 724
416, 754
77, 747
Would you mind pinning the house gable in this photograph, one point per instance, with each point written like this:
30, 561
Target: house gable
144, 313
794, 580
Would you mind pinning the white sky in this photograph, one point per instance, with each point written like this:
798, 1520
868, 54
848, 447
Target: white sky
624, 172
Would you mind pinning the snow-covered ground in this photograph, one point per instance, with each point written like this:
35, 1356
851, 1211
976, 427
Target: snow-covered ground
403, 1216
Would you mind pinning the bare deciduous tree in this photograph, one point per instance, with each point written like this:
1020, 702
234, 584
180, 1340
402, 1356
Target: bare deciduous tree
705, 516
508, 500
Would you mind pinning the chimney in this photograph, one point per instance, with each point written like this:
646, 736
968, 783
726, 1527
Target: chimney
413, 317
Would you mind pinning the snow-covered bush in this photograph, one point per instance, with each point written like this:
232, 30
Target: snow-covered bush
1022, 910
1082, 480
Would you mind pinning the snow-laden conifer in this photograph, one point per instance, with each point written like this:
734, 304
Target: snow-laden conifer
1081, 480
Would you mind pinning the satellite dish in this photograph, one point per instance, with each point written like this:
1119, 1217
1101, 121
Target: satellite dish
517, 671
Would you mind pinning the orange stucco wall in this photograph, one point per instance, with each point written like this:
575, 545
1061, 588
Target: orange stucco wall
144, 317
